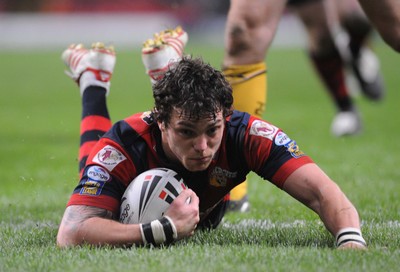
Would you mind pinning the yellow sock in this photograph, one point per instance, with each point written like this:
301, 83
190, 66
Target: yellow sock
239, 192
249, 83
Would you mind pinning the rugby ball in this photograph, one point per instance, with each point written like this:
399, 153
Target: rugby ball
149, 195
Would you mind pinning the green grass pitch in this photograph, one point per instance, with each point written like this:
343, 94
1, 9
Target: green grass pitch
39, 133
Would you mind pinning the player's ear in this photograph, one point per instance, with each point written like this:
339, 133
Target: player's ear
161, 126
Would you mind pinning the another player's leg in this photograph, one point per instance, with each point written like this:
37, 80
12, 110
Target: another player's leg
91, 69
249, 84
250, 28
364, 62
329, 65
330, 68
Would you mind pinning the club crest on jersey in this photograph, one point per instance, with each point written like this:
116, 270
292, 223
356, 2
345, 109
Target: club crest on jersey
219, 177
109, 157
294, 149
91, 187
263, 129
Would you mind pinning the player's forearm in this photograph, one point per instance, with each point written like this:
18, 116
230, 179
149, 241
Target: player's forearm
83, 224
310, 185
100, 231
342, 220
337, 213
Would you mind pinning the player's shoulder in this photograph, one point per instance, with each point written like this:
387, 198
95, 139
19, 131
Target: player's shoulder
140, 120
138, 123
247, 121
238, 119
135, 127
242, 123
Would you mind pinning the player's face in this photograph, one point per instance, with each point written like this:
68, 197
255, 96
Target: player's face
192, 143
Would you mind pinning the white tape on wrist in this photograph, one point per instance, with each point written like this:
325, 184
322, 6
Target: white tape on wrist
349, 235
174, 231
158, 232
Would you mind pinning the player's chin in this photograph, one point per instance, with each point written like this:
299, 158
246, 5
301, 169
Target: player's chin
196, 166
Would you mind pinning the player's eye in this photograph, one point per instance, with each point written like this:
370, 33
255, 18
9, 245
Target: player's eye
186, 132
212, 131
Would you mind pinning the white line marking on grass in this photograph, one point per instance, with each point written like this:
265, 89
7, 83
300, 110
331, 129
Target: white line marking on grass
29, 224
264, 224
242, 224
268, 224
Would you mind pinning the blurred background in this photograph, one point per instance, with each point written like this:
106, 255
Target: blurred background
40, 109
53, 24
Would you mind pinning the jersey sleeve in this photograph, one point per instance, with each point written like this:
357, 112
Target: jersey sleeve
104, 177
98, 188
117, 158
109, 169
271, 153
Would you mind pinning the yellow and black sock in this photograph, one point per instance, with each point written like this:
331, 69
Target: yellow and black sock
249, 83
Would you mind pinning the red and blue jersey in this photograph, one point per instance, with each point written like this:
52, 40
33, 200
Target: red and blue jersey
133, 146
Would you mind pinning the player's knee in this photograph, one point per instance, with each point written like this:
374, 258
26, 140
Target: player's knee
238, 41
323, 45
393, 40
390, 33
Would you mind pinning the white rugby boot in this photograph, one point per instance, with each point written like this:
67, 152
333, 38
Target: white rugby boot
99, 60
366, 68
346, 123
162, 51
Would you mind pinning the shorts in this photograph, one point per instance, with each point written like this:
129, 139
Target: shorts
215, 217
300, 2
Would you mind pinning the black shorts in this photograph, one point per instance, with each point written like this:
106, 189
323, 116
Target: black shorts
300, 2
215, 217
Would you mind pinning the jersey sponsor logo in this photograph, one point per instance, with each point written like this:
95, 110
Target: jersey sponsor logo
281, 138
109, 157
91, 187
263, 129
98, 173
219, 177
147, 117
294, 149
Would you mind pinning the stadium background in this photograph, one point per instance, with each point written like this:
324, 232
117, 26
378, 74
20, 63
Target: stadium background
39, 121
53, 24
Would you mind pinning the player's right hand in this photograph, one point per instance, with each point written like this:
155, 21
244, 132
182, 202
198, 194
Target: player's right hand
184, 212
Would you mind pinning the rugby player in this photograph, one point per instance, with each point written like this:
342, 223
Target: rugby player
194, 131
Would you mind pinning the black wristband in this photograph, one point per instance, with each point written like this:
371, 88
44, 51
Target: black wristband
158, 232
147, 234
168, 230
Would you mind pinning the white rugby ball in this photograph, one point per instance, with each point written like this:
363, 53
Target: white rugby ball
149, 195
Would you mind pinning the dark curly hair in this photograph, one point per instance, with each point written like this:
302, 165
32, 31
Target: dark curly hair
195, 88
